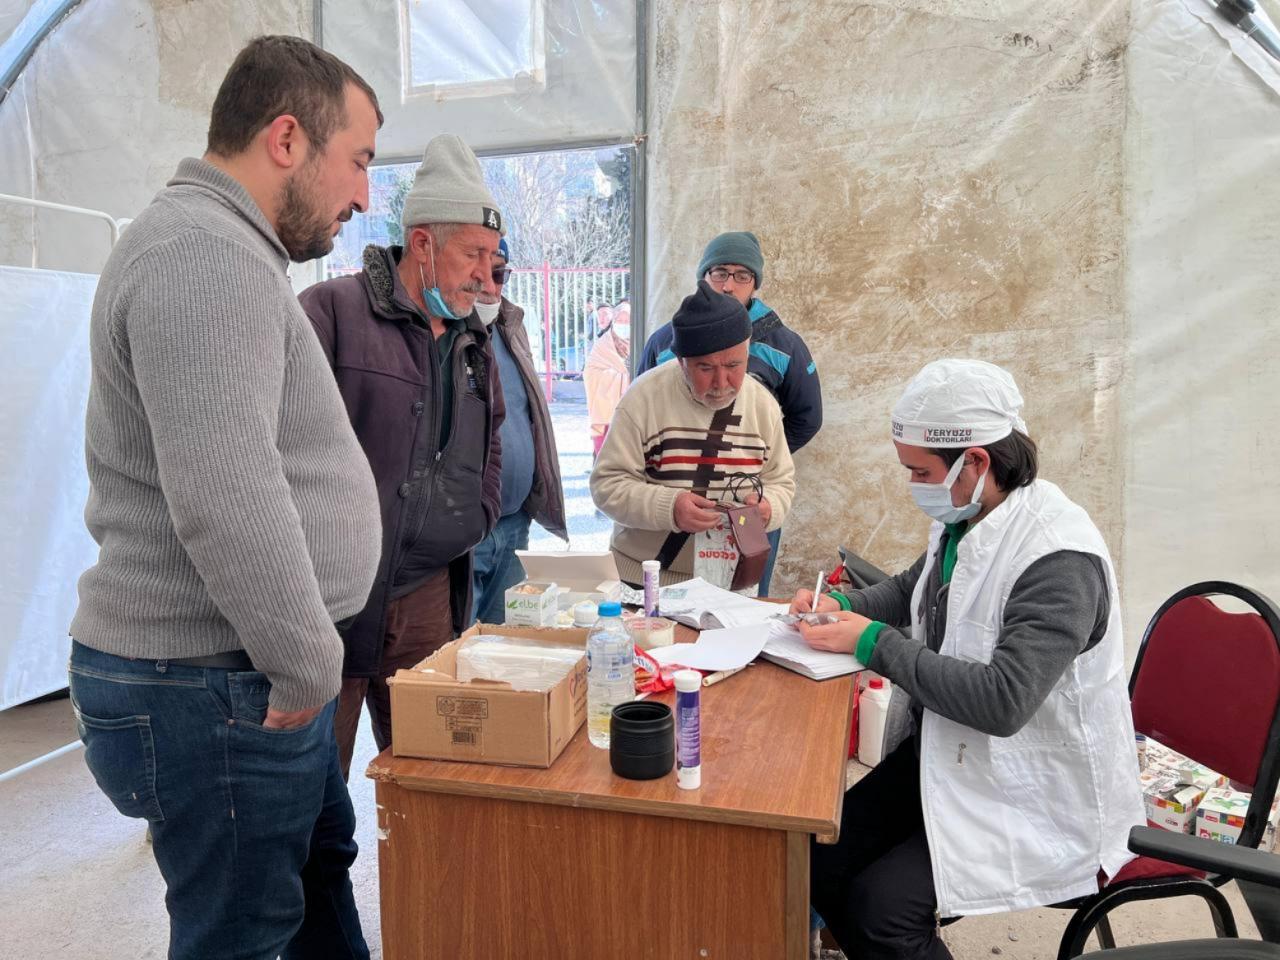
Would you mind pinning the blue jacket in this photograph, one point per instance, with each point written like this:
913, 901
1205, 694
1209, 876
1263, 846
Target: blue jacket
779, 359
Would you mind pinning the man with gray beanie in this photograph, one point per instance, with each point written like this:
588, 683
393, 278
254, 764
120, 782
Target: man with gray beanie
681, 434
734, 264
416, 368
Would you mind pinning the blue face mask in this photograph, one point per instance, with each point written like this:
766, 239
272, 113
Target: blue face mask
433, 298
935, 498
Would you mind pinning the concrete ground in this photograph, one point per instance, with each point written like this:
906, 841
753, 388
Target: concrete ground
78, 880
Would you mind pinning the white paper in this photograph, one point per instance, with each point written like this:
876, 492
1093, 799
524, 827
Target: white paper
703, 605
722, 649
787, 648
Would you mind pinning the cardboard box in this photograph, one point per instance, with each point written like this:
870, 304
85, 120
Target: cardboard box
436, 717
1221, 814
576, 574
1173, 787
525, 609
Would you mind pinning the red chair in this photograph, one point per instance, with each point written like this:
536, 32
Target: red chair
1206, 684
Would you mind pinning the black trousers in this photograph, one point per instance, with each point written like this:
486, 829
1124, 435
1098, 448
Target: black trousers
874, 887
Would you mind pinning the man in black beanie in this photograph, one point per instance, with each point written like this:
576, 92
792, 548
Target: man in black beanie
733, 263
681, 432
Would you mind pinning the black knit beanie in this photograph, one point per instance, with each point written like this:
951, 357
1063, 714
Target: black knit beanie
708, 322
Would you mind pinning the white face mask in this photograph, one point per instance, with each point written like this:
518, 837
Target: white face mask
488, 312
623, 330
935, 498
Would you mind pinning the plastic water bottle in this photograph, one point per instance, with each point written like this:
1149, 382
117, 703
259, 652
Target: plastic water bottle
873, 709
611, 671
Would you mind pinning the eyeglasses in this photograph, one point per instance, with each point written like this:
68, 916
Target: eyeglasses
720, 275
501, 274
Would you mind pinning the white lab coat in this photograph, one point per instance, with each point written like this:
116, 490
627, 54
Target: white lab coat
1026, 820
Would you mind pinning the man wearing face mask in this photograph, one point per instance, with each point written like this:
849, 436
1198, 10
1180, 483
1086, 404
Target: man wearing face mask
682, 435
531, 487
1020, 782
415, 366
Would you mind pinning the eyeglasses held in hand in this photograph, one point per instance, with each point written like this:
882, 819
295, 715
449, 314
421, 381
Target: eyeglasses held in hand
720, 275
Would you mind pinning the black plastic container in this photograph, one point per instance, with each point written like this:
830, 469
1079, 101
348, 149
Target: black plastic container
642, 741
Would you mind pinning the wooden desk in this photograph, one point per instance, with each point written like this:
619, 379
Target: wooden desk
574, 863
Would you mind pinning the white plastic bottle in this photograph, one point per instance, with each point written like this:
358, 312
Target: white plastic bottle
688, 729
611, 671
873, 709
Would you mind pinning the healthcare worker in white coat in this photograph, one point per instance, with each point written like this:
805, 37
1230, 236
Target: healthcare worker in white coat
1020, 782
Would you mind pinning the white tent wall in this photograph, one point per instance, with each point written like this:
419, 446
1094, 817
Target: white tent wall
1201, 394
586, 92
44, 366
1015, 181
108, 105
1083, 191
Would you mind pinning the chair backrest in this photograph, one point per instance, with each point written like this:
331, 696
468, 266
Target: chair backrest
1207, 684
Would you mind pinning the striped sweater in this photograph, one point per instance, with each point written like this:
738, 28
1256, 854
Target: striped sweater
662, 441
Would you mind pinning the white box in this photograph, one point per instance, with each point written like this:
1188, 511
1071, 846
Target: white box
1221, 814
577, 574
529, 609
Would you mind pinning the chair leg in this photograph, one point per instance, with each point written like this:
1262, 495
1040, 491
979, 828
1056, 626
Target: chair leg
1106, 939
1224, 921
1094, 914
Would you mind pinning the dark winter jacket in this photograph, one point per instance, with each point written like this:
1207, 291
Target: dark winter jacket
779, 359
546, 500
436, 503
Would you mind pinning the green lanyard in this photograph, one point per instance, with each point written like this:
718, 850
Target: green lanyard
954, 533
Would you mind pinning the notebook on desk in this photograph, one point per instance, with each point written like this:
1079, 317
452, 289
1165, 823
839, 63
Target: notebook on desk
787, 648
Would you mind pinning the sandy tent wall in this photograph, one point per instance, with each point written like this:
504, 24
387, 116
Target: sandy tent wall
997, 180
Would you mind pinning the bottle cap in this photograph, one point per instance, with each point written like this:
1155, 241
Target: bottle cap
876, 684
610, 608
688, 681
648, 565
585, 613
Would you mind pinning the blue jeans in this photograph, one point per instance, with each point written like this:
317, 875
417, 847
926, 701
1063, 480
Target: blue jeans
251, 828
775, 537
495, 567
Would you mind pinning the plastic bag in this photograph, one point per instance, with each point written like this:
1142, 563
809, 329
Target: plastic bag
650, 676
524, 664
715, 554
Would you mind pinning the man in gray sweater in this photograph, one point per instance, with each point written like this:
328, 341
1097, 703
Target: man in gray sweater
237, 520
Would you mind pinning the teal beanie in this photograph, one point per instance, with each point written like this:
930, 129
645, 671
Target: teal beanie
736, 247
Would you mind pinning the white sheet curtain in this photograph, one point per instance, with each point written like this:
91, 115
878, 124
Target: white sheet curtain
44, 369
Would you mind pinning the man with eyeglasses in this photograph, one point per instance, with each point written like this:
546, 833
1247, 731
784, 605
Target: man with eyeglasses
733, 264
416, 368
531, 487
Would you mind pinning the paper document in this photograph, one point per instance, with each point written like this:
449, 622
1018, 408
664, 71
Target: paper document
722, 649
704, 606
787, 648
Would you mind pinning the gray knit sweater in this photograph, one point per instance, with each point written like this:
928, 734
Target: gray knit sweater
232, 503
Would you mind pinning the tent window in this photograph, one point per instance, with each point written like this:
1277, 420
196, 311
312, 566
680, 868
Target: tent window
470, 48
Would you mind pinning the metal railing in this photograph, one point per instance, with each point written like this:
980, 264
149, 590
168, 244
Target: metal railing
555, 300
